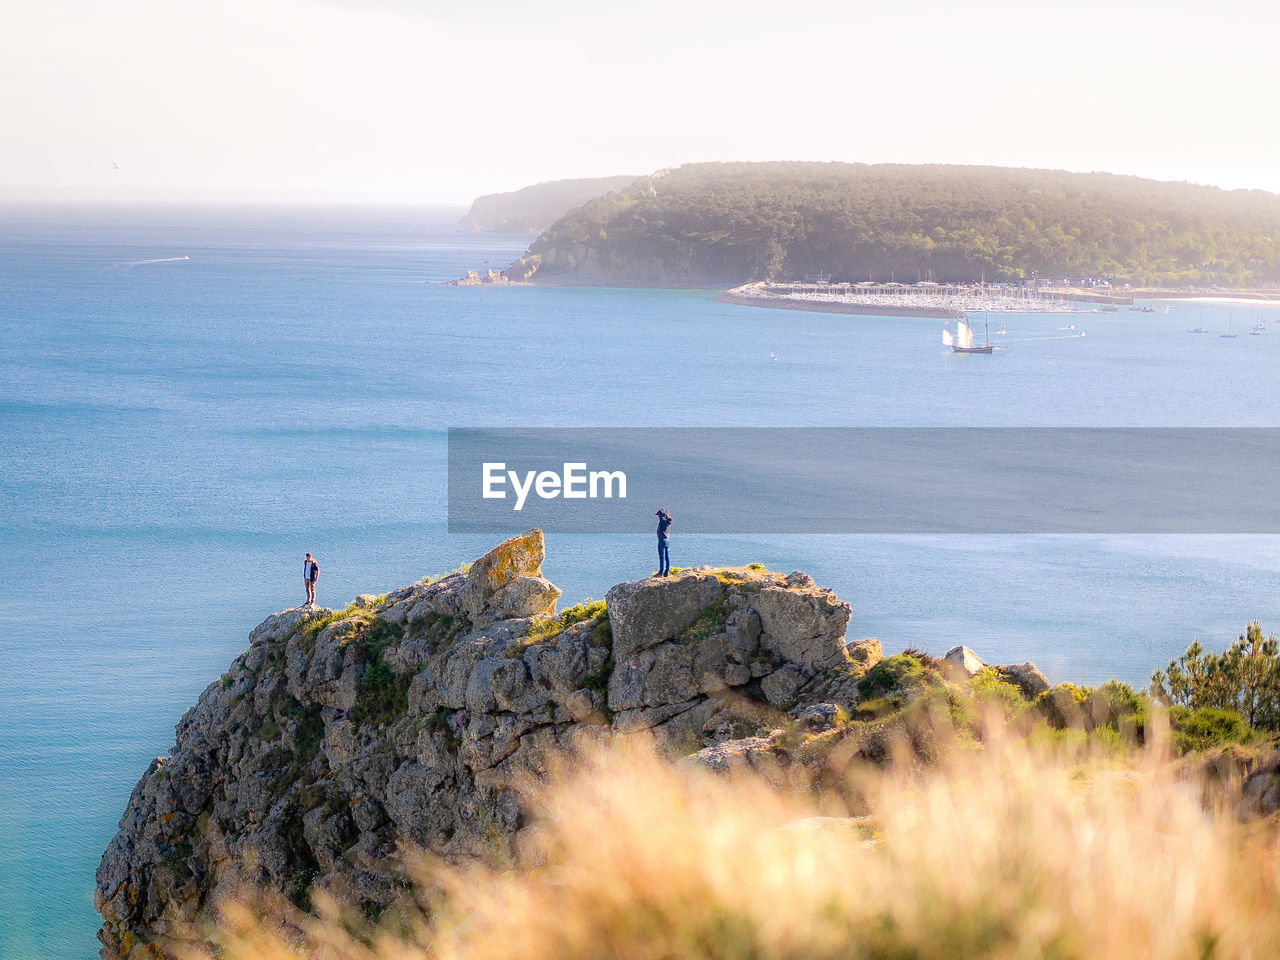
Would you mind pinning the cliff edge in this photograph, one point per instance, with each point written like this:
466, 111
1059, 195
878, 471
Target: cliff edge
339, 740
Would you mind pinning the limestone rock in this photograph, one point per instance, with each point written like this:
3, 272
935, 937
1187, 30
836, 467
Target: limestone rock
805, 626
1026, 677
963, 663
644, 613
510, 560
782, 685
818, 717
526, 597
736, 755
866, 652
279, 625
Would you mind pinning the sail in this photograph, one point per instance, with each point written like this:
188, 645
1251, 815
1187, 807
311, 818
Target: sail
947, 339
964, 336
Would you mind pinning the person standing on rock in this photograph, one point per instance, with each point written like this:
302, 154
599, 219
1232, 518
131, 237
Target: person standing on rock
310, 573
664, 559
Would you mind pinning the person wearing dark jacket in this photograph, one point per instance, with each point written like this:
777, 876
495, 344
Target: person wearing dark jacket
664, 559
310, 573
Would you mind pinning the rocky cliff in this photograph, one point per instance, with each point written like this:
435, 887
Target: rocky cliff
339, 740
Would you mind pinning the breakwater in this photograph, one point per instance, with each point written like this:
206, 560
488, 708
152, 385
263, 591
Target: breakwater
895, 300
838, 306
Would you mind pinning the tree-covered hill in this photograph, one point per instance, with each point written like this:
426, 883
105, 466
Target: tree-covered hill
531, 209
733, 222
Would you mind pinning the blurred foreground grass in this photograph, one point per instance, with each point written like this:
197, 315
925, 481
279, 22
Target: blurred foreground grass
1011, 848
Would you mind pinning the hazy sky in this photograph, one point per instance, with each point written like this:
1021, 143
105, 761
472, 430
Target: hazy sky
426, 101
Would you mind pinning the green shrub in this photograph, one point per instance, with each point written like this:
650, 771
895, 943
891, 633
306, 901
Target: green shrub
554, 626
309, 627
599, 681
1063, 706
992, 692
906, 674
382, 695
441, 628
876, 709
1113, 706
1207, 727
310, 726
300, 887
709, 621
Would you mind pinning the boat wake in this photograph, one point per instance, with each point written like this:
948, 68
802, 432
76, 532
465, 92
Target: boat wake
130, 264
1069, 336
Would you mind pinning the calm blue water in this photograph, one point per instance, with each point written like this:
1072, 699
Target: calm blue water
174, 435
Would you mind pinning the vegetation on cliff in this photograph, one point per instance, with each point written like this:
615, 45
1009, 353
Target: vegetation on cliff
735, 222
343, 745
532, 209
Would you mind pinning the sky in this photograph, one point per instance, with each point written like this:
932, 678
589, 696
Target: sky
427, 102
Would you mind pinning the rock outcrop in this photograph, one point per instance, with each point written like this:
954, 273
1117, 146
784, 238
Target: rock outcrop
961, 664
340, 740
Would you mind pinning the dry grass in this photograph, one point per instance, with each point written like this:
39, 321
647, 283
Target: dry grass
1005, 851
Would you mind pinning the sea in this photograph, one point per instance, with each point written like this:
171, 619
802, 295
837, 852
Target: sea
193, 397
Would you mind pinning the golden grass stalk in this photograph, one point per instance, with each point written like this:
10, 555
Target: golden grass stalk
1005, 851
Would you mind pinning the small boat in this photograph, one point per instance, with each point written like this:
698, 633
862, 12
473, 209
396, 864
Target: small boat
1228, 335
1110, 308
1198, 330
962, 342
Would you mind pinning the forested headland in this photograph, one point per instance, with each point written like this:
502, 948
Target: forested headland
532, 209
735, 222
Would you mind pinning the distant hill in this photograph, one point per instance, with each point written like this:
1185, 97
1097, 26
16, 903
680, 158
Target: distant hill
533, 209
733, 222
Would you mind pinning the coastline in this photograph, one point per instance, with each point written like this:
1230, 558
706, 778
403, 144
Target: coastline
730, 294
1211, 296
937, 301
819, 306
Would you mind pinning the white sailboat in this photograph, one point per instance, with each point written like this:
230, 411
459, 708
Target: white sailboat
962, 342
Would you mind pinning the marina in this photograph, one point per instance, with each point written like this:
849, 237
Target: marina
900, 299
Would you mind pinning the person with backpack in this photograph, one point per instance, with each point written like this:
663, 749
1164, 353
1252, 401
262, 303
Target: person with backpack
664, 558
310, 573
